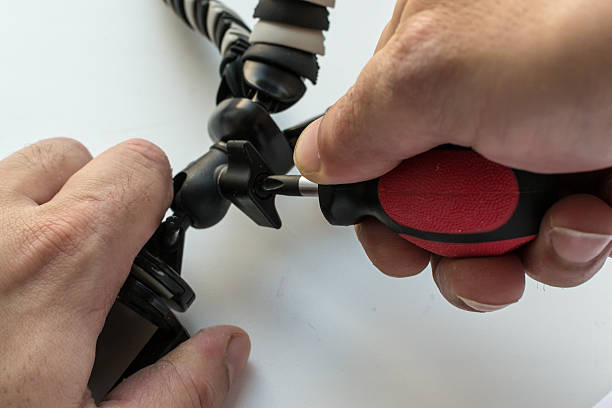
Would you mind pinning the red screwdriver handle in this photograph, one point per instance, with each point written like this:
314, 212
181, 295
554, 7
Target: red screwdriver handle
450, 201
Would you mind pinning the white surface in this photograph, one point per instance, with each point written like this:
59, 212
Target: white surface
606, 402
327, 329
190, 13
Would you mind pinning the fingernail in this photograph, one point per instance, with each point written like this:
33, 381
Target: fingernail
358, 230
236, 355
306, 155
576, 246
482, 307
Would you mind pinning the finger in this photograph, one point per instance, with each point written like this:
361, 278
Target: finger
99, 221
391, 26
573, 243
390, 253
385, 36
38, 171
125, 191
382, 120
198, 373
480, 284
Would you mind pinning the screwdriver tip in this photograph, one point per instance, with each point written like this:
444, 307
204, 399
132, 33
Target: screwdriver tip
296, 186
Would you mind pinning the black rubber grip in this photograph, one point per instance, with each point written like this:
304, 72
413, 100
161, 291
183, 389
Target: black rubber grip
451, 202
293, 12
298, 62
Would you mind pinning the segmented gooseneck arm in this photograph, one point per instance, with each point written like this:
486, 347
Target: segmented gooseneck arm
275, 58
213, 19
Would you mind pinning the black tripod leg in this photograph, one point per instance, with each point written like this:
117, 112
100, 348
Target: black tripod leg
292, 134
162, 342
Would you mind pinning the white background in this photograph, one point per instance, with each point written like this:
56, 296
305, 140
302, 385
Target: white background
327, 329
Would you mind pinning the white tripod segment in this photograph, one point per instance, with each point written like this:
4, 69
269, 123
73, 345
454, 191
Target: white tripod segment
266, 32
300, 38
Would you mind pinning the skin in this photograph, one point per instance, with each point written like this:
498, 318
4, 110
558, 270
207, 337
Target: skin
70, 227
526, 84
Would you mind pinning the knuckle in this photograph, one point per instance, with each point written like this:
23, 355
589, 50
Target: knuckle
143, 178
103, 204
54, 153
424, 65
47, 237
422, 48
68, 145
36, 154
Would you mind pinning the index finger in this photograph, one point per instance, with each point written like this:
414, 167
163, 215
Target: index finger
96, 224
37, 172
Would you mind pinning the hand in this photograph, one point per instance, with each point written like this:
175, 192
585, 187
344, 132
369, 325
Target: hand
526, 84
70, 229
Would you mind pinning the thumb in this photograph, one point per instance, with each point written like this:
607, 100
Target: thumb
196, 374
370, 130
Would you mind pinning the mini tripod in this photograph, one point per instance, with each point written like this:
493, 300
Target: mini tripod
450, 201
263, 72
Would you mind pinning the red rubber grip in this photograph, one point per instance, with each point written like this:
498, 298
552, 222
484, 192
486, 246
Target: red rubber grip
452, 192
454, 250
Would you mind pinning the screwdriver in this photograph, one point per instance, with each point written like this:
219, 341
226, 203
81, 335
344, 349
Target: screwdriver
450, 201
